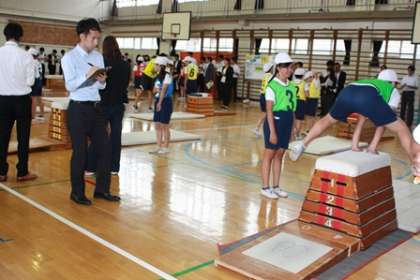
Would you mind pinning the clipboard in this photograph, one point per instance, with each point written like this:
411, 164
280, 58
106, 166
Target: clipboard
92, 78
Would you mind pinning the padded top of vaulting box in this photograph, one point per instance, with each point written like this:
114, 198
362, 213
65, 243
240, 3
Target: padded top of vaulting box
352, 163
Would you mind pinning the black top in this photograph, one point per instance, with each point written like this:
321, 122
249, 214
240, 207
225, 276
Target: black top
117, 81
229, 75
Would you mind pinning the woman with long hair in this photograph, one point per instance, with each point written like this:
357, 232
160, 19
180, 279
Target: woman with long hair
113, 100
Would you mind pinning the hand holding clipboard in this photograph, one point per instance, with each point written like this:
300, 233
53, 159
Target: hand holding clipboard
95, 74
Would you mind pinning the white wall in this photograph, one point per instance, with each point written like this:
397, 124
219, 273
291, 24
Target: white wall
69, 10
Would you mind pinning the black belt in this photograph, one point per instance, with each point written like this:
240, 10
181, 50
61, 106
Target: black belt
90, 103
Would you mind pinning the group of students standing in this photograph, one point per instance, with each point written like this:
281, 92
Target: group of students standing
286, 99
217, 77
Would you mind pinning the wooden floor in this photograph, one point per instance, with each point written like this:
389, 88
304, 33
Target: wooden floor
175, 208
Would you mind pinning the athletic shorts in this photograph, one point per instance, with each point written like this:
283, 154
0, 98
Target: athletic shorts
147, 83
263, 103
300, 110
364, 100
310, 106
164, 115
137, 82
283, 123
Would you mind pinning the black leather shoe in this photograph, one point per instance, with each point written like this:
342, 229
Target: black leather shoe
80, 199
107, 196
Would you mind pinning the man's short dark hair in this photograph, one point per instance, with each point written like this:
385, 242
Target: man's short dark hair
86, 25
13, 30
412, 67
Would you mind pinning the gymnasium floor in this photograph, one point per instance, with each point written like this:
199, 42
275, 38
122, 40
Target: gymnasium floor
175, 208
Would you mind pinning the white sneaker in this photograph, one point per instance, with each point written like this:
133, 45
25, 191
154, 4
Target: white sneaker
89, 174
280, 193
269, 193
163, 151
256, 132
114, 173
155, 151
296, 150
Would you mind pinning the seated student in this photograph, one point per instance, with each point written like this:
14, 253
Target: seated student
163, 89
300, 106
313, 93
369, 98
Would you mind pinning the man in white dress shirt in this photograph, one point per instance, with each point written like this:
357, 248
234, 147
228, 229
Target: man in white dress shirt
409, 86
85, 117
16, 78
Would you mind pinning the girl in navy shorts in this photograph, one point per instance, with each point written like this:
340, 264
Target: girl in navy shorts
163, 90
370, 98
280, 98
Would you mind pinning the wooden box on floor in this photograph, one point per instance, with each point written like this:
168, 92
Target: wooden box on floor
342, 246
200, 105
57, 128
346, 130
362, 205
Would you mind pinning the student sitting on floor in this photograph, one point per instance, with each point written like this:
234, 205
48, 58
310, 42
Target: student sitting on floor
281, 103
371, 99
164, 88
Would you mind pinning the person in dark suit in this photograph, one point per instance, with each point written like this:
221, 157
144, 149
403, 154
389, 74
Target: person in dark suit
226, 83
327, 79
340, 79
113, 100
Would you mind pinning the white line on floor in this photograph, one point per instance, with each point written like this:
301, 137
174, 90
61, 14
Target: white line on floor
89, 234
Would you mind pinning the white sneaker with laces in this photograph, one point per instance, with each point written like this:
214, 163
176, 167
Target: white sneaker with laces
269, 193
114, 173
155, 151
296, 150
163, 151
280, 193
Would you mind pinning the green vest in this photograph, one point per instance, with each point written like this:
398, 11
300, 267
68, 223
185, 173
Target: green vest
285, 96
384, 88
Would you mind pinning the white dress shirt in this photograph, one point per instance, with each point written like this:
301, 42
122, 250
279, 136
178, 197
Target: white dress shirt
75, 64
409, 81
17, 73
236, 71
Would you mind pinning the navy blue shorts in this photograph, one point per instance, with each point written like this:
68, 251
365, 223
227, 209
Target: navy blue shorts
300, 110
147, 82
191, 86
263, 103
164, 115
283, 122
364, 100
311, 106
137, 82
37, 87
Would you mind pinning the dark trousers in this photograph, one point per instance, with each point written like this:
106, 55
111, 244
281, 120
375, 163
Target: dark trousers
226, 93
15, 108
87, 121
324, 101
114, 116
235, 89
407, 107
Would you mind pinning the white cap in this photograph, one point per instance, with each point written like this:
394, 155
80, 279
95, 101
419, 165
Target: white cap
169, 61
416, 134
33, 51
187, 59
267, 66
299, 72
308, 75
282, 58
388, 75
161, 60
140, 59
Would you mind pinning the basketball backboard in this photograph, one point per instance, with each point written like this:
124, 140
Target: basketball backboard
415, 36
176, 26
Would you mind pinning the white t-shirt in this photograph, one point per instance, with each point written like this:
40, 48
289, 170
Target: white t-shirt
409, 81
394, 100
236, 71
270, 95
166, 81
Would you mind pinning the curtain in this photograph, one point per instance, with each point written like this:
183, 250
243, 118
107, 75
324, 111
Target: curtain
238, 5
114, 11
259, 4
173, 46
350, 2
377, 44
174, 7
158, 46
257, 45
347, 46
381, 2
159, 7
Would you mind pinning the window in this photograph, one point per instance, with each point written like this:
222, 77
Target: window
133, 3
326, 47
300, 46
191, 45
209, 44
399, 49
184, 1
277, 45
225, 44
144, 43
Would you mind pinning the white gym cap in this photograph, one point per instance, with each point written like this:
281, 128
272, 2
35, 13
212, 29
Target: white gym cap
388, 75
33, 51
308, 75
282, 58
161, 60
267, 66
299, 71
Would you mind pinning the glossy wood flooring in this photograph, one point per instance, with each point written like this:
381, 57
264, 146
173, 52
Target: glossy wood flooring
175, 208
